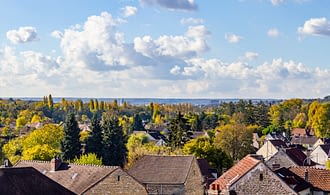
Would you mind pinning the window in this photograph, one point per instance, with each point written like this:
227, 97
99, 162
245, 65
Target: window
118, 178
261, 177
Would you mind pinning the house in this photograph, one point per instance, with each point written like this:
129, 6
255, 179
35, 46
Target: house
28, 181
270, 148
169, 174
209, 174
250, 176
154, 136
321, 154
319, 179
297, 183
288, 157
309, 142
87, 179
301, 132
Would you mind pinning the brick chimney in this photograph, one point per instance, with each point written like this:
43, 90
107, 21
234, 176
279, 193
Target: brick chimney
55, 163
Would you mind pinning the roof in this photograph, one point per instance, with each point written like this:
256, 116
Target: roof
310, 140
206, 170
299, 132
157, 135
278, 143
318, 178
75, 177
27, 180
298, 156
162, 169
297, 183
325, 148
237, 171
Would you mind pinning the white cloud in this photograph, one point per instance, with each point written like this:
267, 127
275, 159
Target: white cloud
188, 5
277, 2
233, 38
315, 26
251, 55
174, 46
273, 32
129, 11
57, 34
22, 35
175, 70
192, 21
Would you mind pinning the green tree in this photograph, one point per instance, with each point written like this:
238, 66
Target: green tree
300, 120
71, 146
50, 102
179, 131
88, 159
235, 140
137, 123
114, 149
13, 149
202, 147
94, 141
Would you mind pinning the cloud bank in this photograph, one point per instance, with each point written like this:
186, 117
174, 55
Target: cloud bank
23, 35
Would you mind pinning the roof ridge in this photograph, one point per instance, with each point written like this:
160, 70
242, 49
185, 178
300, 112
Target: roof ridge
93, 165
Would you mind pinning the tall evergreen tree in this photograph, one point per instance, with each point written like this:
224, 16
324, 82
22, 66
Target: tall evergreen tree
94, 141
137, 123
114, 148
179, 131
71, 146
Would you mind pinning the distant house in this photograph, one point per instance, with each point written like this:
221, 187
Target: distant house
309, 142
87, 179
154, 136
288, 157
270, 148
28, 181
321, 154
319, 179
169, 175
250, 176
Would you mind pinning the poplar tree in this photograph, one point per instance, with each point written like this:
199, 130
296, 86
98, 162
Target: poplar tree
71, 146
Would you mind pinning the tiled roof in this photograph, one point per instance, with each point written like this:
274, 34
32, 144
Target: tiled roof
162, 169
237, 171
299, 132
278, 143
297, 156
297, 183
318, 178
74, 177
27, 180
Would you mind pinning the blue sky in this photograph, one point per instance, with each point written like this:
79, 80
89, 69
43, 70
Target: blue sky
165, 48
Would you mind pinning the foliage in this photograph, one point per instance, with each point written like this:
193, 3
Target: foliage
235, 140
137, 123
13, 149
327, 164
202, 147
179, 131
94, 141
114, 149
88, 159
71, 144
40, 152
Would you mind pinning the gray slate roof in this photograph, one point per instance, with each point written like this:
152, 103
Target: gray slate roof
74, 177
162, 169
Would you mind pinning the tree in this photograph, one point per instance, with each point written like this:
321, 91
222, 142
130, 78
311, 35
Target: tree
114, 150
137, 123
94, 141
179, 131
50, 102
235, 140
202, 147
88, 159
71, 145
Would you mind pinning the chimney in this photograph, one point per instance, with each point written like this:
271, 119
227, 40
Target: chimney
55, 163
306, 175
308, 158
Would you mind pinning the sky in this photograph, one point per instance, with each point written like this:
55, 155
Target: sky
165, 48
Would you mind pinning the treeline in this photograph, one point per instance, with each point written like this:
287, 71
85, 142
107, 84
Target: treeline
226, 128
